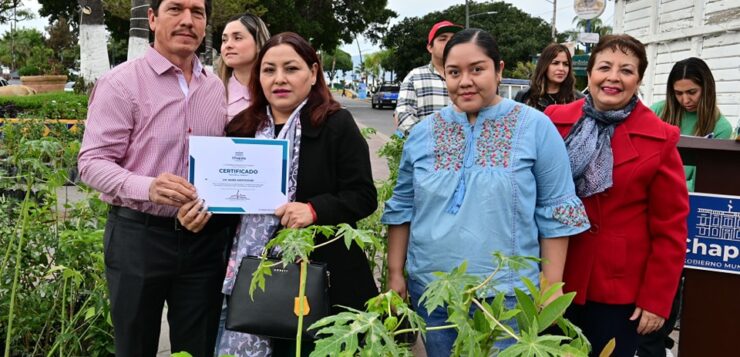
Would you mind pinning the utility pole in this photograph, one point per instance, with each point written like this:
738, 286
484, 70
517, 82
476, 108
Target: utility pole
467, 15
554, 15
13, 25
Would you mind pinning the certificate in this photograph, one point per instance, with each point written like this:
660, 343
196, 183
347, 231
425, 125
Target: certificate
239, 175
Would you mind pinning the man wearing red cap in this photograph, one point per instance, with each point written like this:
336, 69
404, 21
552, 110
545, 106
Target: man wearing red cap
424, 91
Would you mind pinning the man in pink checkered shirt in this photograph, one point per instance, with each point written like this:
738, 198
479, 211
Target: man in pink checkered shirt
135, 152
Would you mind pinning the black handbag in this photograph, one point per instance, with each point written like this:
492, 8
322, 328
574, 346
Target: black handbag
273, 312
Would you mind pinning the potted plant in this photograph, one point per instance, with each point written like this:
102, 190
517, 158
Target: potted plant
43, 72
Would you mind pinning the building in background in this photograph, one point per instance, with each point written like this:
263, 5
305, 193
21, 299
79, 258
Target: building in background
673, 30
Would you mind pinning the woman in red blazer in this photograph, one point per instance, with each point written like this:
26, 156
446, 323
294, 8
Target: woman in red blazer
629, 175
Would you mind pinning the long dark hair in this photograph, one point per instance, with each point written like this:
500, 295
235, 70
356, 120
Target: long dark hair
320, 102
707, 113
539, 81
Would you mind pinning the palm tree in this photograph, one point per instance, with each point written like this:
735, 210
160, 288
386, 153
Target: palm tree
93, 43
597, 26
138, 40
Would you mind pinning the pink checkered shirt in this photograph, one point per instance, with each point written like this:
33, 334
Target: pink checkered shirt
138, 123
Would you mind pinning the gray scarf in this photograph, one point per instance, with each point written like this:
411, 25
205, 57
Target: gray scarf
256, 229
590, 149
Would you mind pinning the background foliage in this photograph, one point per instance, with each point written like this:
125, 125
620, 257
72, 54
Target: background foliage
519, 35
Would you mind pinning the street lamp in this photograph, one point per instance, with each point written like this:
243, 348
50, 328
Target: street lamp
468, 15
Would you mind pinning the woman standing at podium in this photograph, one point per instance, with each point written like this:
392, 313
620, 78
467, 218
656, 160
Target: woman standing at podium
691, 104
628, 173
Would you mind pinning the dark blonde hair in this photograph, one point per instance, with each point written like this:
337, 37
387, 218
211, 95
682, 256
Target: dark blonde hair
707, 112
257, 28
538, 82
625, 43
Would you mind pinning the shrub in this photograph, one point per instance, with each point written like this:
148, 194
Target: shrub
53, 295
29, 70
53, 105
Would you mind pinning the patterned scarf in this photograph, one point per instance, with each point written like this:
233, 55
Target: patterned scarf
590, 149
256, 229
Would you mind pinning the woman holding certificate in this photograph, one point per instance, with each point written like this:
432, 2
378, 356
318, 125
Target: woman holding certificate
330, 178
241, 41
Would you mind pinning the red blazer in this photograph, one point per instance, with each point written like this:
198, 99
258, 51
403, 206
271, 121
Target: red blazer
635, 249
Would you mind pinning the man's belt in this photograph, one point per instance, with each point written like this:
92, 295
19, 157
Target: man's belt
216, 222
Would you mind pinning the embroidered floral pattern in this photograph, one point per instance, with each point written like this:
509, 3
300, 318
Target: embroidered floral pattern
494, 143
571, 214
449, 148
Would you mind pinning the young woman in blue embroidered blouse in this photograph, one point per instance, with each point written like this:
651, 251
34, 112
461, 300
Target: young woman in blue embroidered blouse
483, 175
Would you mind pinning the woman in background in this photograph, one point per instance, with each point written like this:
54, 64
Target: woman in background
691, 105
553, 81
241, 41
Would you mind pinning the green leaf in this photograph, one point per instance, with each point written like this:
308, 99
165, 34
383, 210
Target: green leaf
550, 291
359, 236
258, 277
534, 291
525, 303
554, 310
448, 287
89, 313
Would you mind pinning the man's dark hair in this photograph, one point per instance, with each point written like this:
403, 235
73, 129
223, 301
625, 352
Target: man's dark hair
155, 6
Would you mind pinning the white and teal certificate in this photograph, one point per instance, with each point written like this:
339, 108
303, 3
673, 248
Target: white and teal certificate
240, 175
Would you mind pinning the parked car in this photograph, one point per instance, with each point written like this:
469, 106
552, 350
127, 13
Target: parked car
387, 95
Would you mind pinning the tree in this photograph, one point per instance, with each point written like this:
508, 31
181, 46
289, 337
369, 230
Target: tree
63, 42
378, 63
523, 70
519, 35
13, 10
597, 26
335, 61
138, 31
327, 23
93, 43
25, 41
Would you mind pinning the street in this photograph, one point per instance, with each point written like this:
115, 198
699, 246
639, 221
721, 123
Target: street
380, 119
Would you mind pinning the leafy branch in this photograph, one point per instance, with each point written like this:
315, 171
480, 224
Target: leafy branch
374, 332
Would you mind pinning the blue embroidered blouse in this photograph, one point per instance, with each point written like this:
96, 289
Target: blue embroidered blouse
471, 190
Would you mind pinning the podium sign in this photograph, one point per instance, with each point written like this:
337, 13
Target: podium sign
709, 325
714, 233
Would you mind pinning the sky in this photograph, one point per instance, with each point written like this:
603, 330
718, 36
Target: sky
410, 8
536, 8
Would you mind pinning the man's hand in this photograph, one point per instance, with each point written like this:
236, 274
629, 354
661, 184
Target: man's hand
194, 215
649, 322
171, 190
294, 215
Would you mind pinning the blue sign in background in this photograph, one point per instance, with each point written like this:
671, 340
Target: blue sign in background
714, 233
